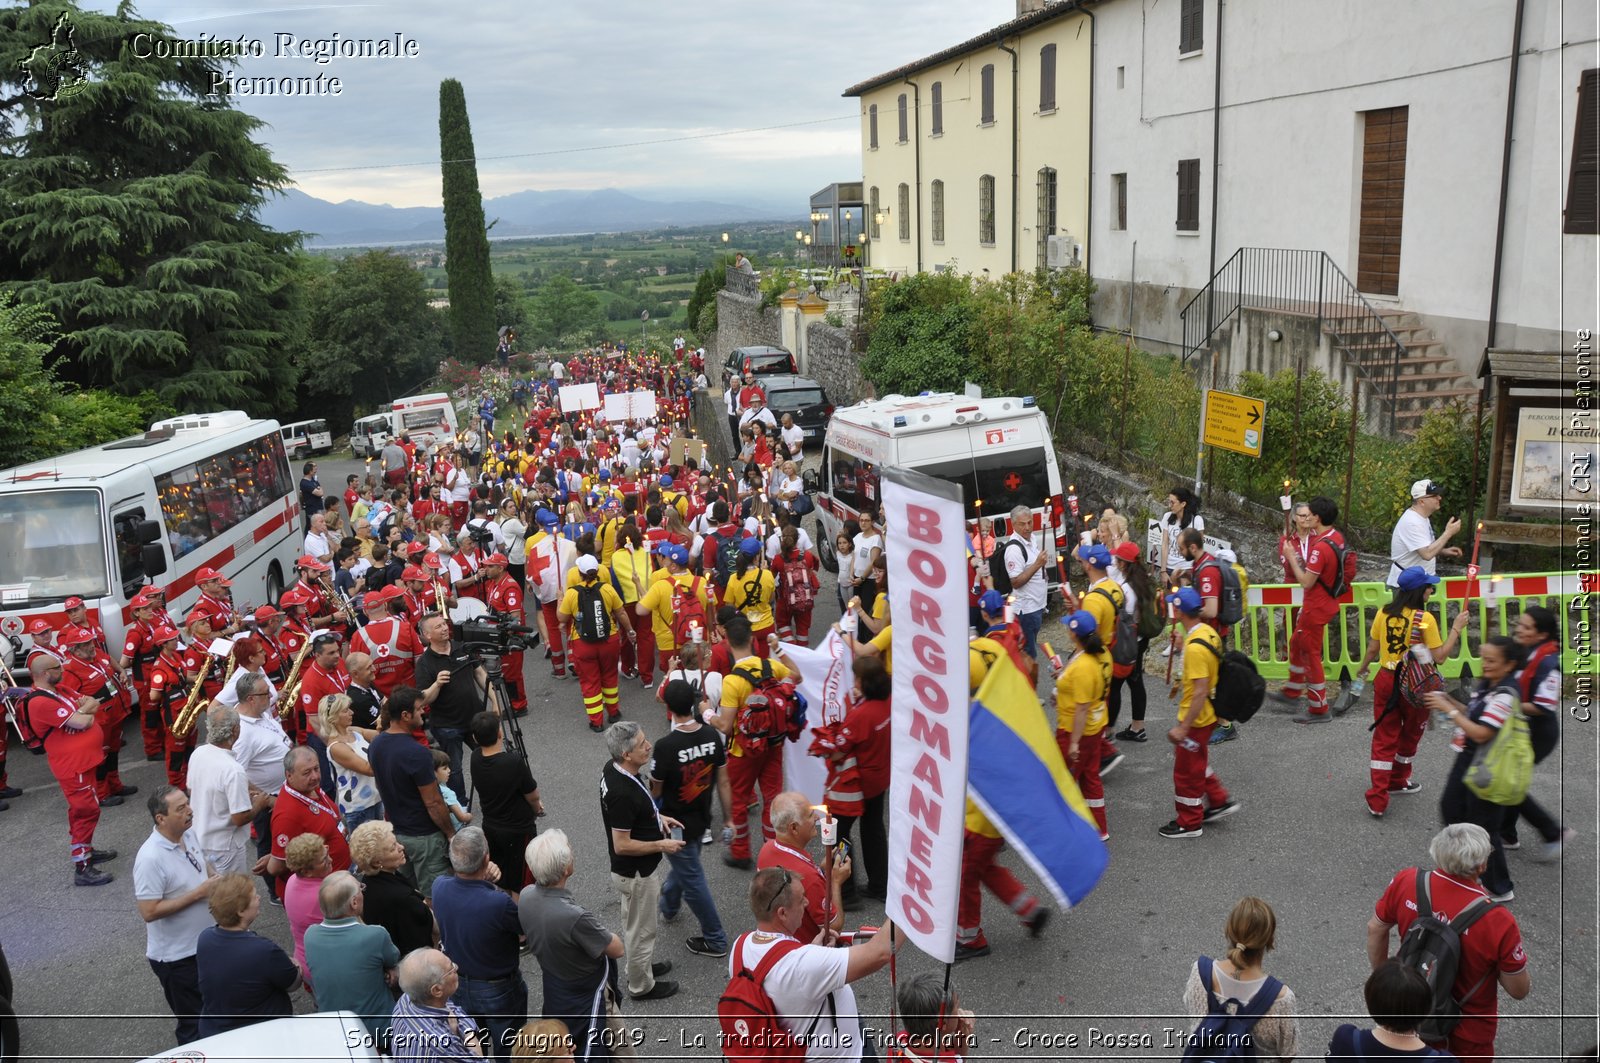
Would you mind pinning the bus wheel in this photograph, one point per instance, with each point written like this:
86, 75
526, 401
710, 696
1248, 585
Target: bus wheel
825, 554
274, 583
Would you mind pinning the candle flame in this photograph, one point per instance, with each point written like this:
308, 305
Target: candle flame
823, 809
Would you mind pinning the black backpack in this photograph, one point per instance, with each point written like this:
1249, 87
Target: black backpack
726, 553
1125, 642
1230, 603
1240, 688
1432, 946
997, 565
592, 620
1224, 1032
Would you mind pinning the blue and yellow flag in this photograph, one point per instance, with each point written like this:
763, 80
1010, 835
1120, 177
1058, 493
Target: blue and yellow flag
1016, 776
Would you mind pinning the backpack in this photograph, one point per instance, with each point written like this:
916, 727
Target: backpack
1432, 946
1152, 618
726, 555
774, 711
1344, 567
1502, 767
688, 610
18, 699
1224, 1032
1240, 689
997, 565
798, 594
751, 1031
1125, 638
592, 620
1230, 603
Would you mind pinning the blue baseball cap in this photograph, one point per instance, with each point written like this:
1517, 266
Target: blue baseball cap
546, 518
1187, 600
1096, 555
750, 546
666, 481
605, 474
992, 602
1416, 576
1081, 622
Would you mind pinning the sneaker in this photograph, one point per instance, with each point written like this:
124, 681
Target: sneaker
1510, 843
1224, 733
1176, 830
1222, 811
1035, 920
1128, 734
660, 968
1166, 651
110, 802
1312, 717
1374, 813
275, 900
660, 991
596, 726
701, 947
613, 715
743, 863
124, 791
10, 791
971, 952
1109, 765
89, 875
851, 903
629, 673
1411, 786
1551, 851
707, 838
1283, 702
100, 856
1502, 898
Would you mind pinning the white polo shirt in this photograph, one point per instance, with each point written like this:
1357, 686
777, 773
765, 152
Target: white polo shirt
163, 870
260, 749
1412, 532
218, 789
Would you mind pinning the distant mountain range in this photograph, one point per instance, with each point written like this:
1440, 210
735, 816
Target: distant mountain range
529, 213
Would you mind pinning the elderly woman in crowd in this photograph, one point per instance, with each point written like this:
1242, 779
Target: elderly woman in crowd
392, 902
244, 978
309, 863
354, 787
576, 954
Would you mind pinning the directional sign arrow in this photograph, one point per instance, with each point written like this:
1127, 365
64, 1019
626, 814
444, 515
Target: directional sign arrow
1255, 415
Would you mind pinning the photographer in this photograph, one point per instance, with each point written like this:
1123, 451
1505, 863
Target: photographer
452, 688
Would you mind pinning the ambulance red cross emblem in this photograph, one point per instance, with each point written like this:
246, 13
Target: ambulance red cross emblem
1013, 481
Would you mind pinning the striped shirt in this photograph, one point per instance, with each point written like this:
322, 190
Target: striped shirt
421, 1034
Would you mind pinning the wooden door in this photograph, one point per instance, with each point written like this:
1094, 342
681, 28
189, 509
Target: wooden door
1383, 188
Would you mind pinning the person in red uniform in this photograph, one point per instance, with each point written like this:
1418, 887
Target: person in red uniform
72, 743
214, 602
1492, 956
502, 595
423, 508
302, 808
296, 630
90, 671
321, 606
468, 561
416, 600
197, 651
168, 691
595, 661
865, 738
795, 568
78, 617
269, 629
389, 640
794, 824
1317, 576
44, 640
324, 674
139, 651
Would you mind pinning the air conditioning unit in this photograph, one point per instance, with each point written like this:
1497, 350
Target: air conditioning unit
1062, 252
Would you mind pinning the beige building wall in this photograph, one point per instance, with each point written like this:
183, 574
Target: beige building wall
967, 150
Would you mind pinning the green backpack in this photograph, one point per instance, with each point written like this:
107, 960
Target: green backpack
1502, 768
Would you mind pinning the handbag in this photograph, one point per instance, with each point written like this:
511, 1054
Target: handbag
1502, 767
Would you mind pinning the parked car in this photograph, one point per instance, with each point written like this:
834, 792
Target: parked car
369, 435
806, 399
760, 360
305, 438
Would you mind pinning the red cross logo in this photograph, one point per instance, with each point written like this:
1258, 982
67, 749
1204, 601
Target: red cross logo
1013, 481
383, 650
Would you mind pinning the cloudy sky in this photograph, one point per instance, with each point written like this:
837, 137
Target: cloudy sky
557, 88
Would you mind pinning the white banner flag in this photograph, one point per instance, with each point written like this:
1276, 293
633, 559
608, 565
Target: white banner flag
825, 679
925, 544
630, 406
575, 397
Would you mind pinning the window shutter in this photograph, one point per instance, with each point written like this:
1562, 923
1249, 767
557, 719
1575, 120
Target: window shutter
1191, 26
1583, 182
872, 126
902, 116
987, 114
1188, 195
937, 98
1047, 78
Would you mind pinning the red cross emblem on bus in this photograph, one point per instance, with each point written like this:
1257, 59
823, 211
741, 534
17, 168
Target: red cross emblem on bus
1013, 481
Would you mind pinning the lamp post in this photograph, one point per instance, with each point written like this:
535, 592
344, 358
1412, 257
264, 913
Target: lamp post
817, 218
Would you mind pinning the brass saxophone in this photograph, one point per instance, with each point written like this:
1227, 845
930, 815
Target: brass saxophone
438, 597
291, 685
184, 722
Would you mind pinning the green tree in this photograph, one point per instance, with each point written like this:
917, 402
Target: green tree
511, 308
562, 310
370, 334
131, 202
466, 240
922, 335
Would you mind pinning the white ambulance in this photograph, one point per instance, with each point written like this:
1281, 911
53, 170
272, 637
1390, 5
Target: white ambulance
998, 450
427, 419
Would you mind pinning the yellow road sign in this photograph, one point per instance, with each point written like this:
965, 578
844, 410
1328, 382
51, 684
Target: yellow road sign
1235, 422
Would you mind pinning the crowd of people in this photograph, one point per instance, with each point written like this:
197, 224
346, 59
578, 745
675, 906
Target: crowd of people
358, 760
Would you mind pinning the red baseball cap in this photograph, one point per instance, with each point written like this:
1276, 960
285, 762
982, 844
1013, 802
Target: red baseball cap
292, 597
497, 559
39, 625
391, 592
72, 603
267, 612
165, 633
432, 561
416, 546
1127, 550
206, 575
194, 615
312, 563
413, 572
76, 636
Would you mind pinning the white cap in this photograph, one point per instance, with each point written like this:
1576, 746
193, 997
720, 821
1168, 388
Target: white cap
588, 564
1422, 488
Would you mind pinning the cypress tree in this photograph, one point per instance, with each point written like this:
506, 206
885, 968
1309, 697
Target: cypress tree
466, 241
131, 189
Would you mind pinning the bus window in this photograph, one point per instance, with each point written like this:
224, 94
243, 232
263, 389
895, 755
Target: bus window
202, 501
52, 545
130, 562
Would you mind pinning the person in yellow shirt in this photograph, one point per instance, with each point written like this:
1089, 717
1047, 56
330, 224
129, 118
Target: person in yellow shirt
751, 590
1081, 711
630, 563
657, 603
599, 622
1104, 599
1195, 785
749, 769
1397, 724
585, 546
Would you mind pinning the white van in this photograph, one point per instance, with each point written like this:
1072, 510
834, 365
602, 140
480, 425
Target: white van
428, 419
998, 450
369, 435
305, 438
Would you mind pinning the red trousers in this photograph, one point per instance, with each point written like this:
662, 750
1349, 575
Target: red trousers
1086, 772
1193, 782
83, 813
151, 729
1394, 741
745, 773
1305, 663
758, 640
511, 671
978, 868
108, 779
552, 627
596, 665
794, 626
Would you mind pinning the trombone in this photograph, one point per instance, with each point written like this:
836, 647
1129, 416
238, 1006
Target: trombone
346, 606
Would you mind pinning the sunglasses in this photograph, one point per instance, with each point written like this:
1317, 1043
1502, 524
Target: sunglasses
783, 889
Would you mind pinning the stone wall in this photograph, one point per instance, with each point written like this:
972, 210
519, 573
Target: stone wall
833, 361
711, 425
741, 322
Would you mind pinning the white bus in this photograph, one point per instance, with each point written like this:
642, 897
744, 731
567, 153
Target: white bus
202, 490
305, 438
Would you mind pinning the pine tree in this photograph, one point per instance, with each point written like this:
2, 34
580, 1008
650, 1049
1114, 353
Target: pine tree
466, 241
131, 193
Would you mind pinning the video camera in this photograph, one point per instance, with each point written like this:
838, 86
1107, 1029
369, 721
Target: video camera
481, 534
495, 634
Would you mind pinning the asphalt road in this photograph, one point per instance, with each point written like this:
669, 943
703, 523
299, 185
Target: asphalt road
1112, 969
